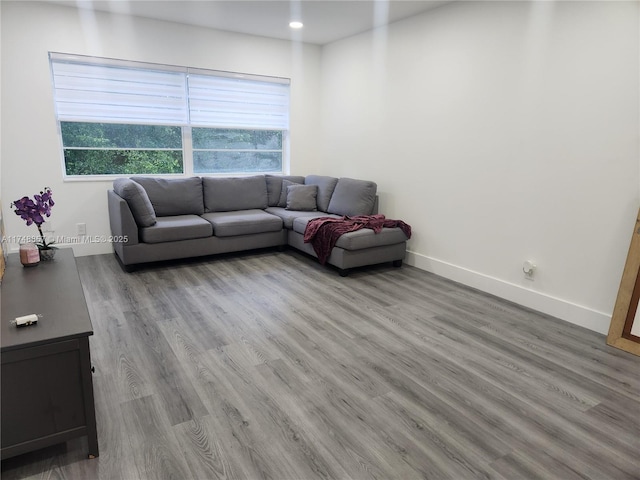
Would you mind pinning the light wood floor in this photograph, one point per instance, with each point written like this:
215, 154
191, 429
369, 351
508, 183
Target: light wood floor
267, 365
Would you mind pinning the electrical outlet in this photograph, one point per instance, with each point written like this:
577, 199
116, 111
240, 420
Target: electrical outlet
529, 268
81, 228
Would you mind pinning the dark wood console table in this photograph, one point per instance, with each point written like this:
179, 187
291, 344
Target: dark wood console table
47, 389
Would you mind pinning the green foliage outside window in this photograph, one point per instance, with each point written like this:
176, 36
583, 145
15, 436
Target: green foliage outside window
224, 150
226, 138
122, 162
231, 162
121, 149
116, 135
104, 149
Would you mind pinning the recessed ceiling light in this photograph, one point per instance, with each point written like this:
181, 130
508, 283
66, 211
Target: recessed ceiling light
296, 24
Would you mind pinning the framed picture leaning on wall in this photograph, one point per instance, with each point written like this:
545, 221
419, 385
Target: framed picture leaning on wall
624, 331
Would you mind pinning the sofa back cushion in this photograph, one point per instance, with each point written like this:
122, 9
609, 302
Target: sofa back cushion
274, 187
234, 193
174, 196
138, 201
326, 186
353, 197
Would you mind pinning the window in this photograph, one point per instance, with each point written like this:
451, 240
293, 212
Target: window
123, 118
217, 150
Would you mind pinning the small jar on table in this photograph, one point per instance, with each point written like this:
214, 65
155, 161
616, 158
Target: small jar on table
29, 254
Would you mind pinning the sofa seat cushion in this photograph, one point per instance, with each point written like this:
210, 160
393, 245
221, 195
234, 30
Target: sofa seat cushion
367, 238
288, 216
174, 228
360, 239
300, 223
242, 222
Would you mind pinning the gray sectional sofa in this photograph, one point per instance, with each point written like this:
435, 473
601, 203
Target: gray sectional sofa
155, 219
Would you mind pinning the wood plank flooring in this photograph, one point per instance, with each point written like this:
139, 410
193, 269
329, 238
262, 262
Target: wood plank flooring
266, 365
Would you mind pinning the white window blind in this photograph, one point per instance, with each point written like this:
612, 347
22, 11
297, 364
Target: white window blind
232, 102
86, 92
90, 89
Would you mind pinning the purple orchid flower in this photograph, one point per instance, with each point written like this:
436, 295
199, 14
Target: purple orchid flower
34, 211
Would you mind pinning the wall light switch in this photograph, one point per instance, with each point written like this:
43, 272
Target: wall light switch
81, 228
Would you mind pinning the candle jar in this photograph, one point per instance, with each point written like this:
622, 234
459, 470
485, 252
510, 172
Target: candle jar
29, 254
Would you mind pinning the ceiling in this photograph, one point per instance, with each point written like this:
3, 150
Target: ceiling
325, 21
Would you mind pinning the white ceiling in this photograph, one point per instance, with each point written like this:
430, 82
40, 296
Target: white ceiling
325, 21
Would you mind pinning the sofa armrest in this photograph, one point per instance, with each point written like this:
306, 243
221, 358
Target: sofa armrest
121, 219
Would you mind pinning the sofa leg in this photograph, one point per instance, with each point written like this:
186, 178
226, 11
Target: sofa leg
397, 263
126, 268
343, 272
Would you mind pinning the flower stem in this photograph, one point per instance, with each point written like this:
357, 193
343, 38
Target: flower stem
44, 243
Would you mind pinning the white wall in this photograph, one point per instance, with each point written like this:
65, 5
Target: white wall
501, 131
31, 155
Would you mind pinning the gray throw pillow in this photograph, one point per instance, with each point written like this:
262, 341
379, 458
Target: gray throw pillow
302, 197
274, 187
174, 196
283, 193
353, 197
138, 201
326, 186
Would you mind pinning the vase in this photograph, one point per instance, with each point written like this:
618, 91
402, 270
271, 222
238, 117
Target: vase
47, 254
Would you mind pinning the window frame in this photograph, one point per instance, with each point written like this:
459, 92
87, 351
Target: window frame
186, 128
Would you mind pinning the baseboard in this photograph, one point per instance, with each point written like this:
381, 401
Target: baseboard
556, 307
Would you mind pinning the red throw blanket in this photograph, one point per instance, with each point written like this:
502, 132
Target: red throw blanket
324, 232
